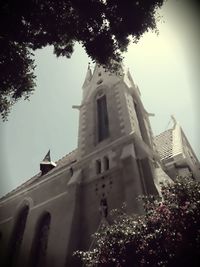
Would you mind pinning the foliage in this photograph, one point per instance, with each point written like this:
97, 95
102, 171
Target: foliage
167, 235
16, 75
102, 27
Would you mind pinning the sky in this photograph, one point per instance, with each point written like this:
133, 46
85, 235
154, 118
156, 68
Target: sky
166, 67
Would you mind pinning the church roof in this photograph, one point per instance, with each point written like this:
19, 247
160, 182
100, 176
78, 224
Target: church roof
175, 151
164, 144
64, 161
173, 143
170, 142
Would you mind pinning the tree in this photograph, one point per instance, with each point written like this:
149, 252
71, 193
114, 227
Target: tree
103, 27
167, 235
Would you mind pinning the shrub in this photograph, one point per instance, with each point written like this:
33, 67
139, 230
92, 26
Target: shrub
168, 234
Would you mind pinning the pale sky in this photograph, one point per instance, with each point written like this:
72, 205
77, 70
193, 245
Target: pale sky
165, 67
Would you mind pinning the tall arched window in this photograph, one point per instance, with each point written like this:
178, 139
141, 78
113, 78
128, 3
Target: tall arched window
17, 236
40, 242
102, 118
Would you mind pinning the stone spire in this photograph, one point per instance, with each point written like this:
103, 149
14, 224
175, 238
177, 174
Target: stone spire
88, 76
47, 158
46, 165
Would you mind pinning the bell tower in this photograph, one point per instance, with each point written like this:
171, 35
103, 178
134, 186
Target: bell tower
115, 158
114, 127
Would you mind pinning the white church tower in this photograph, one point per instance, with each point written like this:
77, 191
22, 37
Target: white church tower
115, 146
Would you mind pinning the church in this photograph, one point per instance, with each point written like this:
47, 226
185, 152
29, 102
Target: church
53, 214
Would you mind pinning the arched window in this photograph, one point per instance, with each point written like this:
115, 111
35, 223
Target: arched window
98, 166
106, 163
17, 236
40, 242
102, 118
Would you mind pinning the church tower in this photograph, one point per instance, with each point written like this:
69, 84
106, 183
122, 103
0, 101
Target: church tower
115, 157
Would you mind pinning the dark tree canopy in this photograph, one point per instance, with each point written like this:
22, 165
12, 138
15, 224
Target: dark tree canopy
103, 27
